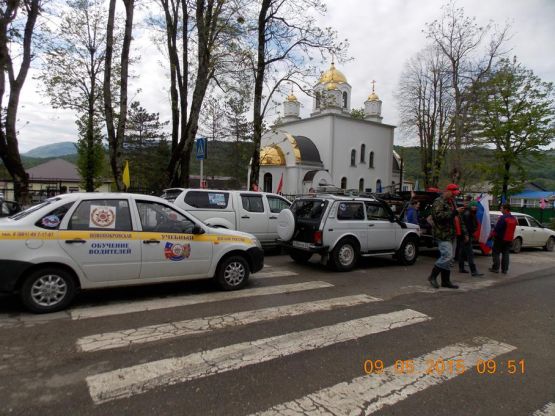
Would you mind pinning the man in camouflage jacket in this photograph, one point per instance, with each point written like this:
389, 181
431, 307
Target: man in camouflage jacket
447, 225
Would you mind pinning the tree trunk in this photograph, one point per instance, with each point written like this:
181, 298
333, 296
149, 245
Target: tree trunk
207, 20
108, 109
9, 150
258, 88
506, 176
90, 153
117, 134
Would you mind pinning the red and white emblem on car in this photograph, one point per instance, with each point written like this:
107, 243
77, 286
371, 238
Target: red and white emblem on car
103, 217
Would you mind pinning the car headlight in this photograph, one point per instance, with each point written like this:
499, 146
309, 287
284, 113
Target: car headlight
257, 243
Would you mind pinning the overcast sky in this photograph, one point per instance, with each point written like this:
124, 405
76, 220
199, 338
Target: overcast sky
383, 35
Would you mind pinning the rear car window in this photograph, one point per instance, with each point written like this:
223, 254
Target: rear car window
350, 211
102, 214
309, 209
210, 200
522, 222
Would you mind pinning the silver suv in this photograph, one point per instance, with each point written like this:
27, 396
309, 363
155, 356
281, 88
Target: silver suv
342, 229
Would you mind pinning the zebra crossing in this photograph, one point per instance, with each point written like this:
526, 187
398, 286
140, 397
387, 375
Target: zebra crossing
364, 394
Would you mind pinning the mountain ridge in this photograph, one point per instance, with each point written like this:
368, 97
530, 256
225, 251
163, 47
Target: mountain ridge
52, 150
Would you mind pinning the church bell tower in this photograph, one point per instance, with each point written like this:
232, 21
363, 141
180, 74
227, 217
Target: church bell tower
373, 106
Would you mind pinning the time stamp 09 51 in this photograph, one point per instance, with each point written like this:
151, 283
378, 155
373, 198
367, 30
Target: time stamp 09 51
449, 366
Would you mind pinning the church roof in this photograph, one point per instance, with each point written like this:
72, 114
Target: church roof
272, 156
304, 150
309, 151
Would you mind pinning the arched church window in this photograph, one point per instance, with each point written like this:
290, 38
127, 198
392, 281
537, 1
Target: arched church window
345, 99
343, 183
317, 100
267, 182
353, 157
379, 186
361, 185
371, 160
362, 152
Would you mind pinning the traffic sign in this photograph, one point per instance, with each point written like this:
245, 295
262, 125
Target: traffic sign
200, 149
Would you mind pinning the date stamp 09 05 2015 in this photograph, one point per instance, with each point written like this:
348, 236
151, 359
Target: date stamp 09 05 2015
440, 367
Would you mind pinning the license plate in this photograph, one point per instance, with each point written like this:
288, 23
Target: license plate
301, 244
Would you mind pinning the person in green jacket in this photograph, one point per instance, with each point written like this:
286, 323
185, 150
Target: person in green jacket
447, 225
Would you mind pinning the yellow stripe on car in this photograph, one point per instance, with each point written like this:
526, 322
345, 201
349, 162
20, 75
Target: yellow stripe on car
121, 235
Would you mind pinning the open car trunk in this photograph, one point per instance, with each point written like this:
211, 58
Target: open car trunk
308, 217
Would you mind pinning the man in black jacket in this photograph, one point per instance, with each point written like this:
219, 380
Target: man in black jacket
467, 252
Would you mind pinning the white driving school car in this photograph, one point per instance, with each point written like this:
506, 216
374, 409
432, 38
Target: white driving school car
93, 240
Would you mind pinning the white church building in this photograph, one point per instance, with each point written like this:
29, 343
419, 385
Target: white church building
330, 147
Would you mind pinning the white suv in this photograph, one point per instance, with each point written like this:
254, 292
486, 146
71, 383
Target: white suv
342, 229
251, 212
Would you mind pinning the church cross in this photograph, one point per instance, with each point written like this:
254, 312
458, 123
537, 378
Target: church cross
373, 85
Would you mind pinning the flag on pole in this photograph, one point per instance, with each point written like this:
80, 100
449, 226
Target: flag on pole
280, 184
484, 224
125, 176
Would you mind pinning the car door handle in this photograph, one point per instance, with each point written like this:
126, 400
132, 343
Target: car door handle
76, 241
151, 241
273, 218
245, 216
371, 225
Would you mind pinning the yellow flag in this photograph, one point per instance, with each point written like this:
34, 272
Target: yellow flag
125, 176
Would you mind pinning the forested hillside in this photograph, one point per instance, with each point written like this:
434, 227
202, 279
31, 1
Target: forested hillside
540, 171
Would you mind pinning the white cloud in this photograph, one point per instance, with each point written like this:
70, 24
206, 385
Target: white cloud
383, 35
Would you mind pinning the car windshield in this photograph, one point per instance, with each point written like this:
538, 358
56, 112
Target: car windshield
32, 209
310, 209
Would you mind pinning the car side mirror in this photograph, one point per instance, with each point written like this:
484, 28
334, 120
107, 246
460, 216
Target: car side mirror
197, 229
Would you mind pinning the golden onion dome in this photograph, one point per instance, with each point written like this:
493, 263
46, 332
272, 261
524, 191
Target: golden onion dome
272, 156
291, 98
333, 75
331, 86
373, 97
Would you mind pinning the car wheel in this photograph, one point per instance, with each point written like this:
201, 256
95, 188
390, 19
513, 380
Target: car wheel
550, 244
517, 245
233, 273
408, 252
345, 255
48, 290
301, 257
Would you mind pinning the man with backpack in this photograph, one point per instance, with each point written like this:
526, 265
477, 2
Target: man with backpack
503, 235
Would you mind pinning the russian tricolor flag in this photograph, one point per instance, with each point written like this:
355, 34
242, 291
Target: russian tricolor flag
484, 224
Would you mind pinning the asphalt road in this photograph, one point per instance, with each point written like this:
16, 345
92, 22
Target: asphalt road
297, 341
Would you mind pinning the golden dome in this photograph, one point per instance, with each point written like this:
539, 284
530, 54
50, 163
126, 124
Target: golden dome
373, 96
331, 86
333, 75
272, 156
291, 98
